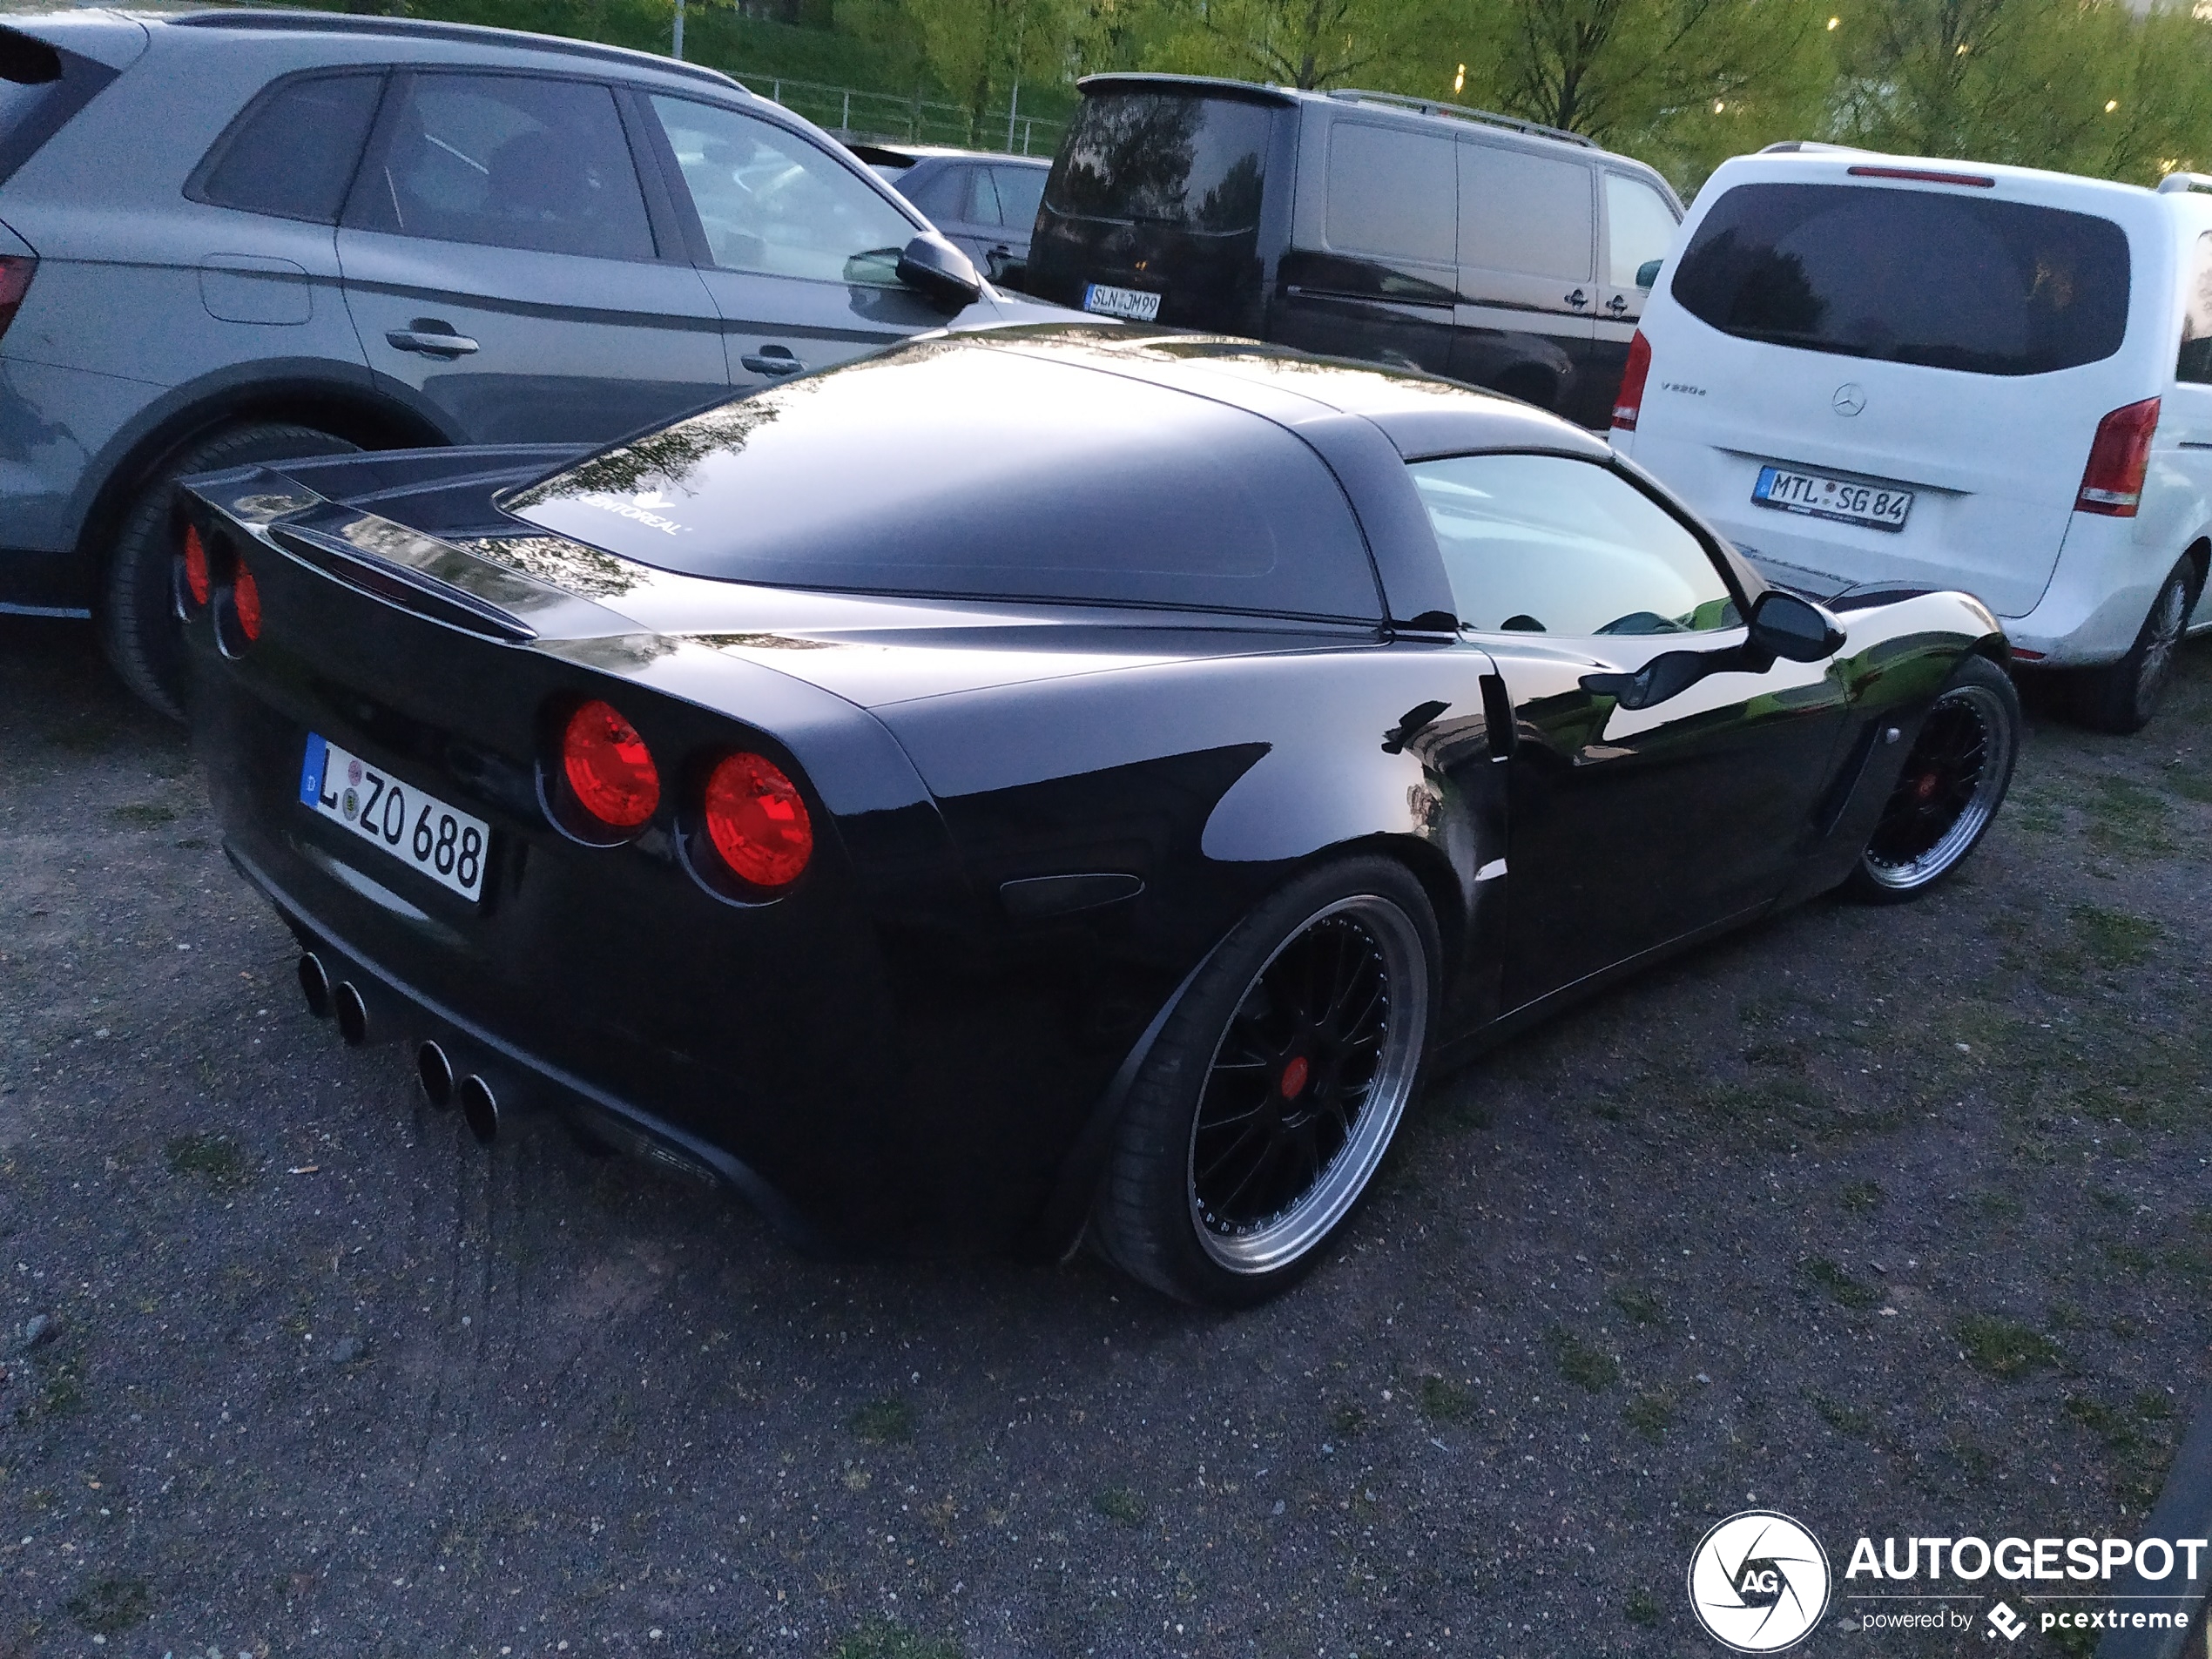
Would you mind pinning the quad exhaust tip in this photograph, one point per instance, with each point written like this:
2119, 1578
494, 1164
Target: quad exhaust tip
479, 1108
314, 985
353, 1014
434, 1070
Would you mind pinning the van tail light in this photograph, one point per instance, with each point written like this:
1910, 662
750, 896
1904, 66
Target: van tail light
198, 581
2113, 482
15, 272
757, 821
1629, 403
608, 766
246, 599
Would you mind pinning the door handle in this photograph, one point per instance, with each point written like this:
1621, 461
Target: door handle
432, 342
775, 361
1617, 304
1578, 298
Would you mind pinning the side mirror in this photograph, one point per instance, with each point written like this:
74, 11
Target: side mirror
941, 272
1648, 273
1784, 625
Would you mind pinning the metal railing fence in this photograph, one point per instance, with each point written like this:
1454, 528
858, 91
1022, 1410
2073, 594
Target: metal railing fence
853, 113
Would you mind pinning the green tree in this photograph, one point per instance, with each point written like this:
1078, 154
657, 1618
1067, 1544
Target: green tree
1683, 82
1293, 42
2083, 86
978, 50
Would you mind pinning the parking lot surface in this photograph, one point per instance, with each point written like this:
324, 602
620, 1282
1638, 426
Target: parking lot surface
1897, 1220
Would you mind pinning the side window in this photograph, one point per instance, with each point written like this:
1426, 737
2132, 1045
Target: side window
1639, 227
1021, 191
2194, 365
1545, 545
941, 194
983, 197
1392, 193
1525, 213
771, 202
507, 161
294, 153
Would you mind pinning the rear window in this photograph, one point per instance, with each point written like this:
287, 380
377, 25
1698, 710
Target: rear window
1993, 287
294, 153
41, 86
1190, 164
952, 469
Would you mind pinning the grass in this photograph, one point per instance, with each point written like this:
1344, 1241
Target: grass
1651, 1415
2127, 820
1859, 1197
217, 1159
885, 1639
1347, 1418
1838, 1283
1640, 1305
1578, 1362
2005, 1349
883, 1422
1442, 1400
145, 814
1642, 1608
2112, 938
107, 1606
1120, 1505
1844, 1418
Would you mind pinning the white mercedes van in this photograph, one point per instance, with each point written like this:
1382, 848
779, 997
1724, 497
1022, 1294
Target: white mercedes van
1870, 369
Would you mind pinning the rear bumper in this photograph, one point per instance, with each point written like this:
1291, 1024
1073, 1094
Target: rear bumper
55, 426
397, 1009
2098, 595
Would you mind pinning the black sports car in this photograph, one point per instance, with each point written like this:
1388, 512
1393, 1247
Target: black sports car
1052, 783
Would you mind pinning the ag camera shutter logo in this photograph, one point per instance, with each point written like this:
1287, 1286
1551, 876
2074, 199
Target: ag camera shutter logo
1758, 1582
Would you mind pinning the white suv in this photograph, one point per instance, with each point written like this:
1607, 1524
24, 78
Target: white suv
1870, 369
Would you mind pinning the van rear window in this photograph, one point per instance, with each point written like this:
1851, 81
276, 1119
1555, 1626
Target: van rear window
1910, 276
1190, 164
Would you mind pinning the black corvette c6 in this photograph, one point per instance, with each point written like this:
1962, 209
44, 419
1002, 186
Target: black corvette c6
1029, 785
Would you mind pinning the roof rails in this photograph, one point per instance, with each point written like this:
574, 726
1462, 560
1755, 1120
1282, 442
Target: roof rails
274, 18
1460, 111
2180, 181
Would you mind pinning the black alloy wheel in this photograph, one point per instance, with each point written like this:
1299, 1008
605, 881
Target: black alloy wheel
137, 609
1949, 789
1273, 1092
2123, 697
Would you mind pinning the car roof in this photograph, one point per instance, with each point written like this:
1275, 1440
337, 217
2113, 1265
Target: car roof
494, 41
1421, 414
1829, 161
1400, 104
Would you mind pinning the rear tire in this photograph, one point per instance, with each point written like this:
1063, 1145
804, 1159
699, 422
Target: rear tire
1273, 1090
138, 611
1948, 791
2123, 697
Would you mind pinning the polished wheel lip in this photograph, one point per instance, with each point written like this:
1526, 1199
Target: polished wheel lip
2162, 634
1993, 771
1293, 1231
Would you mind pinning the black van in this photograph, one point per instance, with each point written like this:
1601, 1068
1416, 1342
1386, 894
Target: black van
1360, 224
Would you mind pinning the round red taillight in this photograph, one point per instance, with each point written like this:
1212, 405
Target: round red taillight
610, 767
246, 596
197, 581
757, 822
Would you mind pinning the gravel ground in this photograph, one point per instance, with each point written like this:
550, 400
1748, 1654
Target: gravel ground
1898, 1221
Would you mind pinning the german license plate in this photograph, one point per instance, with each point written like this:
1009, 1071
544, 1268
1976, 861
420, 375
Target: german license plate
1883, 507
1134, 305
420, 830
